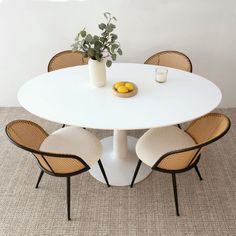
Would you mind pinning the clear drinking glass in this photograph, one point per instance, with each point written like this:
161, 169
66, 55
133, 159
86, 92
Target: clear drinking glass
161, 75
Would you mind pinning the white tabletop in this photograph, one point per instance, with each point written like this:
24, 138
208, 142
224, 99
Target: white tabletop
65, 96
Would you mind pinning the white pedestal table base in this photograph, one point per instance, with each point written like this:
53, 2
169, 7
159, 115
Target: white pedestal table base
120, 170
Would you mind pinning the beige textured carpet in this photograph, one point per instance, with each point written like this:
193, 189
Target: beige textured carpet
206, 208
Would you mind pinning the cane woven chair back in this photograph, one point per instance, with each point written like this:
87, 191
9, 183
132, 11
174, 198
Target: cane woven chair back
26, 134
66, 59
29, 136
208, 127
173, 59
61, 164
204, 131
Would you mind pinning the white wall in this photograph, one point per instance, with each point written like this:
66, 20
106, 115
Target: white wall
31, 31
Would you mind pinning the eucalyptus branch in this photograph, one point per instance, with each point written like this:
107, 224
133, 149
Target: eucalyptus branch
98, 47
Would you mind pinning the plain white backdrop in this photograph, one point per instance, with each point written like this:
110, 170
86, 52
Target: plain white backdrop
32, 31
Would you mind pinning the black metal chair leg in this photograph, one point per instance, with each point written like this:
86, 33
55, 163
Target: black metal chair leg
135, 173
103, 172
175, 193
40, 177
68, 197
198, 172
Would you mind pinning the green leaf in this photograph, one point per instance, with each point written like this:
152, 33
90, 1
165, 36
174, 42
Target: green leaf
98, 46
103, 39
102, 26
109, 28
113, 57
89, 38
83, 33
95, 38
114, 46
108, 63
114, 18
98, 57
91, 53
114, 36
119, 51
107, 15
112, 26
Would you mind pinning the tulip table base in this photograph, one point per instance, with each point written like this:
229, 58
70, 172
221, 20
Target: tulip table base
119, 167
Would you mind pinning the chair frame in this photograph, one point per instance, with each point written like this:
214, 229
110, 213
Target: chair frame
171, 51
48, 154
191, 164
57, 55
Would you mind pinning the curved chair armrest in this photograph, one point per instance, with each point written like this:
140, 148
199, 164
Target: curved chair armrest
178, 160
60, 164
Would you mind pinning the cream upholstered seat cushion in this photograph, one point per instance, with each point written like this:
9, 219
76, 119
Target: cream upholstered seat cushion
158, 141
75, 141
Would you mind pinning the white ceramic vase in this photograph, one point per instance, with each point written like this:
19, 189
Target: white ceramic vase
97, 72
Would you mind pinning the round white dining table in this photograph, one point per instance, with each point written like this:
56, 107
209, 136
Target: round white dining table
66, 96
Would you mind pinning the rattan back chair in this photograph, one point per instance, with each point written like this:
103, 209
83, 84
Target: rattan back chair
174, 59
203, 131
66, 59
29, 136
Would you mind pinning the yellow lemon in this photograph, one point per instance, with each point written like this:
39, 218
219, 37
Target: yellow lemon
122, 89
130, 86
118, 84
